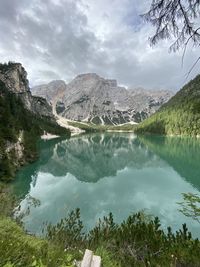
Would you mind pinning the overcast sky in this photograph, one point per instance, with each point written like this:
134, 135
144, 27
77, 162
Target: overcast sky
58, 39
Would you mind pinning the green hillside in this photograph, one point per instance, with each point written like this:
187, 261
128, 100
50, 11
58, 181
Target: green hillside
19, 131
179, 116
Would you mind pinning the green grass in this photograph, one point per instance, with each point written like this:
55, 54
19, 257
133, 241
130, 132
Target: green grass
17, 248
21, 249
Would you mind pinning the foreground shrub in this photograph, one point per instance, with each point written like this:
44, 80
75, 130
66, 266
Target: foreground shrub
137, 241
20, 249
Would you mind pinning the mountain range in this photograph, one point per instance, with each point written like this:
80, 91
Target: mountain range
91, 98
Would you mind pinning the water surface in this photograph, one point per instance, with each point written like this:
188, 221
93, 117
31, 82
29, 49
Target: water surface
100, 173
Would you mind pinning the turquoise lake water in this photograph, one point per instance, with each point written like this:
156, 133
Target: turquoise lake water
112, 172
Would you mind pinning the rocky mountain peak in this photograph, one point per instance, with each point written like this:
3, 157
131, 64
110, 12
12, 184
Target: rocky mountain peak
84, 81
92, 98
50, 91
94, 77
57, 83
111, 83
15, 77
87, 76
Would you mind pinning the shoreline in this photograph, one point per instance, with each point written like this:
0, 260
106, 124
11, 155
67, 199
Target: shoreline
64, 123
48, 136
120, 131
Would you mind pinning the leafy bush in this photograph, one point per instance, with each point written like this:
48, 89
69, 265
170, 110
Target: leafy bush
137, 241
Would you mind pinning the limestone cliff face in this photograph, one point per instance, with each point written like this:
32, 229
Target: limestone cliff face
52, 92
14, 76
16, 150
23, 118
92, 98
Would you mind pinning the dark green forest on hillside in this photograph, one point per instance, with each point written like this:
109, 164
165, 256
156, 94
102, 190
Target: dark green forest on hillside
179, 116
15, 120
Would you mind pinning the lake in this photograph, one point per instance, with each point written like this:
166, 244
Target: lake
110, 172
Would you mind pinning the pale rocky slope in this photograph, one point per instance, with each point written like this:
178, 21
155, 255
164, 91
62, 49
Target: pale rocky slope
92, 98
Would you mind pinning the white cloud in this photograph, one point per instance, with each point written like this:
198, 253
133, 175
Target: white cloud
62, 38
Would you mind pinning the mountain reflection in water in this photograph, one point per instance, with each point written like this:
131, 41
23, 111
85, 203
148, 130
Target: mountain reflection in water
107, 172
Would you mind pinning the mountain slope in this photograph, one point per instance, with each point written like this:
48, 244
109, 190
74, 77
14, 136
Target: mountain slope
23, 118
92, 98
179, 116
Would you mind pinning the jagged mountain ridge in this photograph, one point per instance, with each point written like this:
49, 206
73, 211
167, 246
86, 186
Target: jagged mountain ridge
92, 98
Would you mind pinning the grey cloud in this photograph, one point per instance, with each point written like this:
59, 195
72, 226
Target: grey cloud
10, 9
56, 39
50, 75
62, 41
